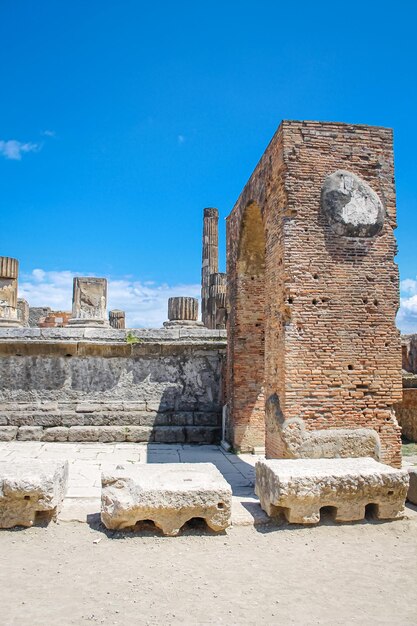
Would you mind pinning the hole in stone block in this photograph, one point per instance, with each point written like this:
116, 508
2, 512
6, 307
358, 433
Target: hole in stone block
328, 513
146, 525
314, 301
365, 300
350, 367
315, 276
220, 505
43, 518
376, 302
290, 300
390, 492
27, 497
371, 510
197, 523
69, 355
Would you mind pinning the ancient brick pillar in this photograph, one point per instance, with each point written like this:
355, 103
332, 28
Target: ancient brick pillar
117, 319
217, 301
89, 302
9, 269
182, 311
210, 261
313, 291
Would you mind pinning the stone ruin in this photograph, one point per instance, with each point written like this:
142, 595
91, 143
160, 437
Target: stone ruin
313, 365
9, 269
89, 302
314, 358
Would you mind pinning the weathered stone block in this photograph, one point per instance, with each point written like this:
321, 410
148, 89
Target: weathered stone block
89, 302
412, 489
169, 434
107, 434
201, 418
202, 434
83, 433
30, 433
168, 494
28, 487
8, 433
139, 434
56, 433
300, 488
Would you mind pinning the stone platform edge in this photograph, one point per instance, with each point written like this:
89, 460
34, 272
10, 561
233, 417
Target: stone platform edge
106, 342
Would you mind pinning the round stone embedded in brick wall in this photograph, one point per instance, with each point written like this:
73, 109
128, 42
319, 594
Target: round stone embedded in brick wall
352, 208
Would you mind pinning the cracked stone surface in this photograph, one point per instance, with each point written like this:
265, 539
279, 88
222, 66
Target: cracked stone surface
300, 488
28, 487
168, 494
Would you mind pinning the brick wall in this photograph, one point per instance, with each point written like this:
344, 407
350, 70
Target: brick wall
332, 357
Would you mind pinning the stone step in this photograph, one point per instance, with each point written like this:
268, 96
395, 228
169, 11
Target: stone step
204, 434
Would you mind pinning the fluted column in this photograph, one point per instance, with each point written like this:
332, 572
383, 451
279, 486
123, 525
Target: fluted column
217, 301
9, 270
182, 311
117, 319
210, 260
89, 302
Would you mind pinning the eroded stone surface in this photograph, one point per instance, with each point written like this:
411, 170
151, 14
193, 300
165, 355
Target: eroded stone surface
169, 494
300, 488
30, 486
352, 208
412, 489
89, 302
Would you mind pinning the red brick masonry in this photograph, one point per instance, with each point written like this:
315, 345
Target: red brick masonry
311, 330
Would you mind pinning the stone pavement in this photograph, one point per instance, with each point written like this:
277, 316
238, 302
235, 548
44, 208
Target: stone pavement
82, 502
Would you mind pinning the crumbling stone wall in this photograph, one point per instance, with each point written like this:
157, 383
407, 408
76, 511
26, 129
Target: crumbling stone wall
111, 385
313, 294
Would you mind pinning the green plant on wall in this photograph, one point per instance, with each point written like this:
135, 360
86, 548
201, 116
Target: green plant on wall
130, 338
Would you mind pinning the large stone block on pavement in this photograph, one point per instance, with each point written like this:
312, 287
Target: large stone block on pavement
28, 487
169, 494
412, 489
299, 488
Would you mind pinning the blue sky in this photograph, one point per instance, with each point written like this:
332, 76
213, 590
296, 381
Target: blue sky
120, 121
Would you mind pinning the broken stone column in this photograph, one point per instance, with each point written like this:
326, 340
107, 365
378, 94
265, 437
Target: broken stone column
210, 262
23, 311
9, 269
183, 311
117, 319
217, 301
89, 302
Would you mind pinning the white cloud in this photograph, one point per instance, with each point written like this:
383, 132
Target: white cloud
180, 139
145, 302
13, 149
409, 285
48, 133
407, 314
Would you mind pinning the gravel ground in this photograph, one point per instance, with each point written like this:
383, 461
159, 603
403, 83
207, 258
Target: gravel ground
72, 573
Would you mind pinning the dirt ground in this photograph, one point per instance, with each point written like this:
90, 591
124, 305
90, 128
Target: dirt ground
73, 573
